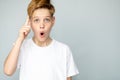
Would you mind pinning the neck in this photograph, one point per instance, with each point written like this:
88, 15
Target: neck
42, 43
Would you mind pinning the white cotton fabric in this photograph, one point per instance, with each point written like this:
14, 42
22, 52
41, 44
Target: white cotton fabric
54, 62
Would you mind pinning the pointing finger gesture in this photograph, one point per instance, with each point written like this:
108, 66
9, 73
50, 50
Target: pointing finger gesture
24, 31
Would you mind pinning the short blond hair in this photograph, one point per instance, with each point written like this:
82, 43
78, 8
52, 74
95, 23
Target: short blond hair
39, 4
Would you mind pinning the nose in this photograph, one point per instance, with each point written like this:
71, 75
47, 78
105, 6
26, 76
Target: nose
42, 26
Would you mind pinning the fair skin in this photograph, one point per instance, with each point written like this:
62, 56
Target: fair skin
41, 24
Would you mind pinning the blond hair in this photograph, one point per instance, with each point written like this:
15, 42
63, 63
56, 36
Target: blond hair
38, 4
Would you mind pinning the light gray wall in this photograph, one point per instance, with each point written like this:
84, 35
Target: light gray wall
90, 27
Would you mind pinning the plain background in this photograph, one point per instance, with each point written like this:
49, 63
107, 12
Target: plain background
90, 27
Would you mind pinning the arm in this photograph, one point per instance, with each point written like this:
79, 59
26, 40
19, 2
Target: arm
10, 63
11, 60
69, 78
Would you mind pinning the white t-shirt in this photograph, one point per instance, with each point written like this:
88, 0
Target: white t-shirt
54, 62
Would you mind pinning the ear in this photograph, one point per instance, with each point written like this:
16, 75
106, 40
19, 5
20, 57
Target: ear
53, 20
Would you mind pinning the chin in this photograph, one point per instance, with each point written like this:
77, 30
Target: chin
43, 39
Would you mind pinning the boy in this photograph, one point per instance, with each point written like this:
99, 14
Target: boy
41, 57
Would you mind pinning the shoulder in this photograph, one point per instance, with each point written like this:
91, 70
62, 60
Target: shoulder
26, 43
61, 45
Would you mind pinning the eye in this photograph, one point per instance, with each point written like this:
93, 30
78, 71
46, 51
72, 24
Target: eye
36, 20
47, 20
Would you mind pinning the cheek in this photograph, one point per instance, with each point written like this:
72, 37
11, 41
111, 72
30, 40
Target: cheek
50, 27
33, 26
34, 29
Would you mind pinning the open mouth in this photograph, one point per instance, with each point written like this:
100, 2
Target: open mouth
42, 34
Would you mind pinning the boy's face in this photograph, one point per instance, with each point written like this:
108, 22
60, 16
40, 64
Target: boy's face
41, 23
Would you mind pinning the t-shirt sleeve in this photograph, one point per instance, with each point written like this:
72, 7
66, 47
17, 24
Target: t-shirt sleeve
71, 66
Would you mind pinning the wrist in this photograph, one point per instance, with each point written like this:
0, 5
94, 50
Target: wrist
18, 41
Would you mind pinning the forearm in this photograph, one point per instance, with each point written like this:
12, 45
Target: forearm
11, 60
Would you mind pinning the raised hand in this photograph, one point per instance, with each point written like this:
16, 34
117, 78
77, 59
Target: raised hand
25, 29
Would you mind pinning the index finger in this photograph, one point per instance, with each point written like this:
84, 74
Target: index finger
27, 21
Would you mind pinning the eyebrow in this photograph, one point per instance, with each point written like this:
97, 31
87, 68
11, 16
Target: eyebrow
38, 16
